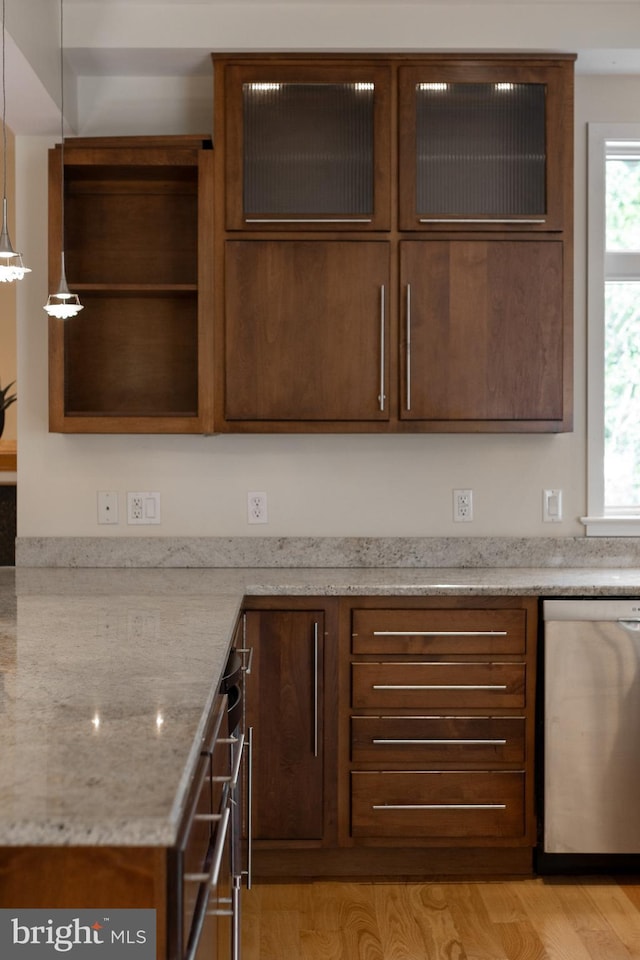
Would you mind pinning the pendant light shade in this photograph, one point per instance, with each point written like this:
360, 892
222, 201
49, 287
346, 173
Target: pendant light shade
62, 304
11, 264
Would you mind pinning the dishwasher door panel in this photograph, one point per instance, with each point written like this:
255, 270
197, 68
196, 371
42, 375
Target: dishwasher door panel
592, 728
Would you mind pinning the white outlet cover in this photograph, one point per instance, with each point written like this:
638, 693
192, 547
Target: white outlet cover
143, 507
257, 507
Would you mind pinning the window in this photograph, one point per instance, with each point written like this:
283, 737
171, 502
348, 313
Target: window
614, 330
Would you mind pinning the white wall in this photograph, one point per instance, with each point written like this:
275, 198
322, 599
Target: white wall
8, 357
316, 485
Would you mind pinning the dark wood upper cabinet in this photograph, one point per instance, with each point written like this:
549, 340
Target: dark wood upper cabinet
391, 252
306, 337
483, 145
307, 146
139, 244
483, 332
443, 181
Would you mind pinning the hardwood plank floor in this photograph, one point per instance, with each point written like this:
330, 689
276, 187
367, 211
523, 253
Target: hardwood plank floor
551, 918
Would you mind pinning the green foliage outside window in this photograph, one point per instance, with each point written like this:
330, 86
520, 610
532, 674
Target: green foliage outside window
622, 341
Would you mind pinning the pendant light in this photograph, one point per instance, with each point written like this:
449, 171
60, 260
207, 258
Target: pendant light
63, 304
11, 265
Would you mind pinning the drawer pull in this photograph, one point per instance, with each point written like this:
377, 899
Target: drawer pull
233, 777
439, 806
208, 817
218, 849
246, 667
457, 740
438, 686
439, 633
211, 879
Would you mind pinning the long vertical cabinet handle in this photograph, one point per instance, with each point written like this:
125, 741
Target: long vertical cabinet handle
315, 688
381, 396
408, 356
249, 808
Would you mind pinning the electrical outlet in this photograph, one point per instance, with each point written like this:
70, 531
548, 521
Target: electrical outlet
463, 506
257, 507
107, 506
143, 507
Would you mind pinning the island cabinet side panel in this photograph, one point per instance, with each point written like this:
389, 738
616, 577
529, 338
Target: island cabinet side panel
86, 878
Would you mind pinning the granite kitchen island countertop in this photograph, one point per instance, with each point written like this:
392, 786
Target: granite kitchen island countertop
107, 677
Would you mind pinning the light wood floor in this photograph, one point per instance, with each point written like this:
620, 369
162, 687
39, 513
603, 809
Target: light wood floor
537, 919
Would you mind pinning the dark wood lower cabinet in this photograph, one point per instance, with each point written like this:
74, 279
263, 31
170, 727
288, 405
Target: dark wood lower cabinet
285, 710
427, 730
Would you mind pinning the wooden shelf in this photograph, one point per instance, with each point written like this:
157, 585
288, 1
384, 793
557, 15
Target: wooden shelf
138, 217
8, 456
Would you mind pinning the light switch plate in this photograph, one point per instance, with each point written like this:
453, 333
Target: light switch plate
552, 506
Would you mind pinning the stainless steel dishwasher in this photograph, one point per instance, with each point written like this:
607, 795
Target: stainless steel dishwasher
591, 800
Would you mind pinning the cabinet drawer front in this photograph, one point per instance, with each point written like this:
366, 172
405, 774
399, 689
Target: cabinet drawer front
424, 740
437, 804
438, 631
437, 685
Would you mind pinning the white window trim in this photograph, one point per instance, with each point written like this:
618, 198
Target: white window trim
599, 523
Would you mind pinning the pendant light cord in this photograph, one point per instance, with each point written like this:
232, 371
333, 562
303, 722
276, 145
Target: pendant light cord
4, 111
61, 125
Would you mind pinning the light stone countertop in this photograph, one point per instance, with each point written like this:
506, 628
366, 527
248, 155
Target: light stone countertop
107, 675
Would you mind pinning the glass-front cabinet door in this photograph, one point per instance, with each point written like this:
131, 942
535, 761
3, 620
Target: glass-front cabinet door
308, 146
481, 146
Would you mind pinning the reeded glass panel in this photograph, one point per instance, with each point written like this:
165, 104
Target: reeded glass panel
480, 149
308, 149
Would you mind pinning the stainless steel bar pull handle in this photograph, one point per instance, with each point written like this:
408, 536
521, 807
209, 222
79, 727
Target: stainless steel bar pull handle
439, 633
232, 778
204, 817
235, 773
454, 740
315, 688
219, 848
247, 666
408, 353
212, 877
438, 686
250, 809
439, 806
482, 220
381, 395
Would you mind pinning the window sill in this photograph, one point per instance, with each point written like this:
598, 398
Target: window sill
628, 526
